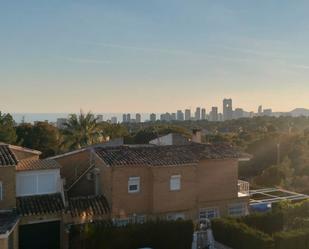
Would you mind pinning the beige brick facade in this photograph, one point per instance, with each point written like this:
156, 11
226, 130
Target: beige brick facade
207, 184
7, 178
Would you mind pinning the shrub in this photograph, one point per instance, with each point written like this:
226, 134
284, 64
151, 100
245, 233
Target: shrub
155, 234
240, 236
293, 239
270, 222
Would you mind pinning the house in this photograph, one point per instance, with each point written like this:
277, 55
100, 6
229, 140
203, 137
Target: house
35, 211
170, 139
194, 181
31, 197
41, 199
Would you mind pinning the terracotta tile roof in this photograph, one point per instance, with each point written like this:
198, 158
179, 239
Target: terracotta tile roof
166, 155
89, 206
40, 204
37, 164
7, 157
7, 221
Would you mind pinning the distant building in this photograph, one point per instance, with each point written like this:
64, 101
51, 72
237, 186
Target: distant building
153, 117
138, 118
100, 118
61, 123
166, 117
187, 114
213, 116
114, 120
124, 118
180, 115
267, 112
203, 114
220, 117
238, 113
173, 116
198, 113
260, 110
128, 118
227, 109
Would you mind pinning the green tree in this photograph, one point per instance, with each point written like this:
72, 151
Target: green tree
82, 130
276, 175
41, 136
7, 129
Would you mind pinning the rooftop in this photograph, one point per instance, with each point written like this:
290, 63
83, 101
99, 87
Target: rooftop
88, 206
40, 204
167, 155
7, 157
37, 164
7, 221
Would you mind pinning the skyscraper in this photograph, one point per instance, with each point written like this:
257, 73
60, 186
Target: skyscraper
214, 114
114, 120
227, 109
153, 117
180, 115
138, 118
198, 113
187, 114
128, 118
124, 118
203, 115
260, 110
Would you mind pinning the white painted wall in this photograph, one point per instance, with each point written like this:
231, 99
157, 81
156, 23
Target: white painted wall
38, 182
164, 140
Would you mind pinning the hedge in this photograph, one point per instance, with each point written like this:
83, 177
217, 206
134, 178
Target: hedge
239, 235
155, 234
270, 222
293, 239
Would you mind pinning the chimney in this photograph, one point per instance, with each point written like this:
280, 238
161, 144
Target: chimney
197, 136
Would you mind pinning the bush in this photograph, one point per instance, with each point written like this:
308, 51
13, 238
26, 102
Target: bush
240, 236
270, 222
293, 239
156, 234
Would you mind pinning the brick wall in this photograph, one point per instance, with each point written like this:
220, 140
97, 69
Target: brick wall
7, 177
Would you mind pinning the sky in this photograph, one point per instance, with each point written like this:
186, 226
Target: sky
152, 56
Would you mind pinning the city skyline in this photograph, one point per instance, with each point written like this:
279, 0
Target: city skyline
108, 56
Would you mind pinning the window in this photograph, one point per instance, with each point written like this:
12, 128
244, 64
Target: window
35, 183
176, 216
134, 184
46, 183
1, 191
137, 218
238, 209
208, 213
175, 182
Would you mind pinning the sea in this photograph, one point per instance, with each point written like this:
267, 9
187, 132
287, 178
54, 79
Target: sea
52, 117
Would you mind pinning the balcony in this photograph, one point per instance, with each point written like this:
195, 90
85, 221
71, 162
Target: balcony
243, 188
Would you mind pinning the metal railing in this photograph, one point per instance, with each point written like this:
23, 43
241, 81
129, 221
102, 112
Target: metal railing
243, 188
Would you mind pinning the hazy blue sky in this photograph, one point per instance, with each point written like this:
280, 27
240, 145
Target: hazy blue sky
152, 55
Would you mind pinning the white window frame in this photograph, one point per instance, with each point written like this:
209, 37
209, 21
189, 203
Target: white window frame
134, 181
237, 209
209, 213
1, 191
36, 175
175, 216
175, 183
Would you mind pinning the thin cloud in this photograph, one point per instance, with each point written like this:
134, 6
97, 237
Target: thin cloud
145, 49
85, 60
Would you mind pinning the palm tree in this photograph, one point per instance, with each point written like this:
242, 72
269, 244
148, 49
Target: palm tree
82, 130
